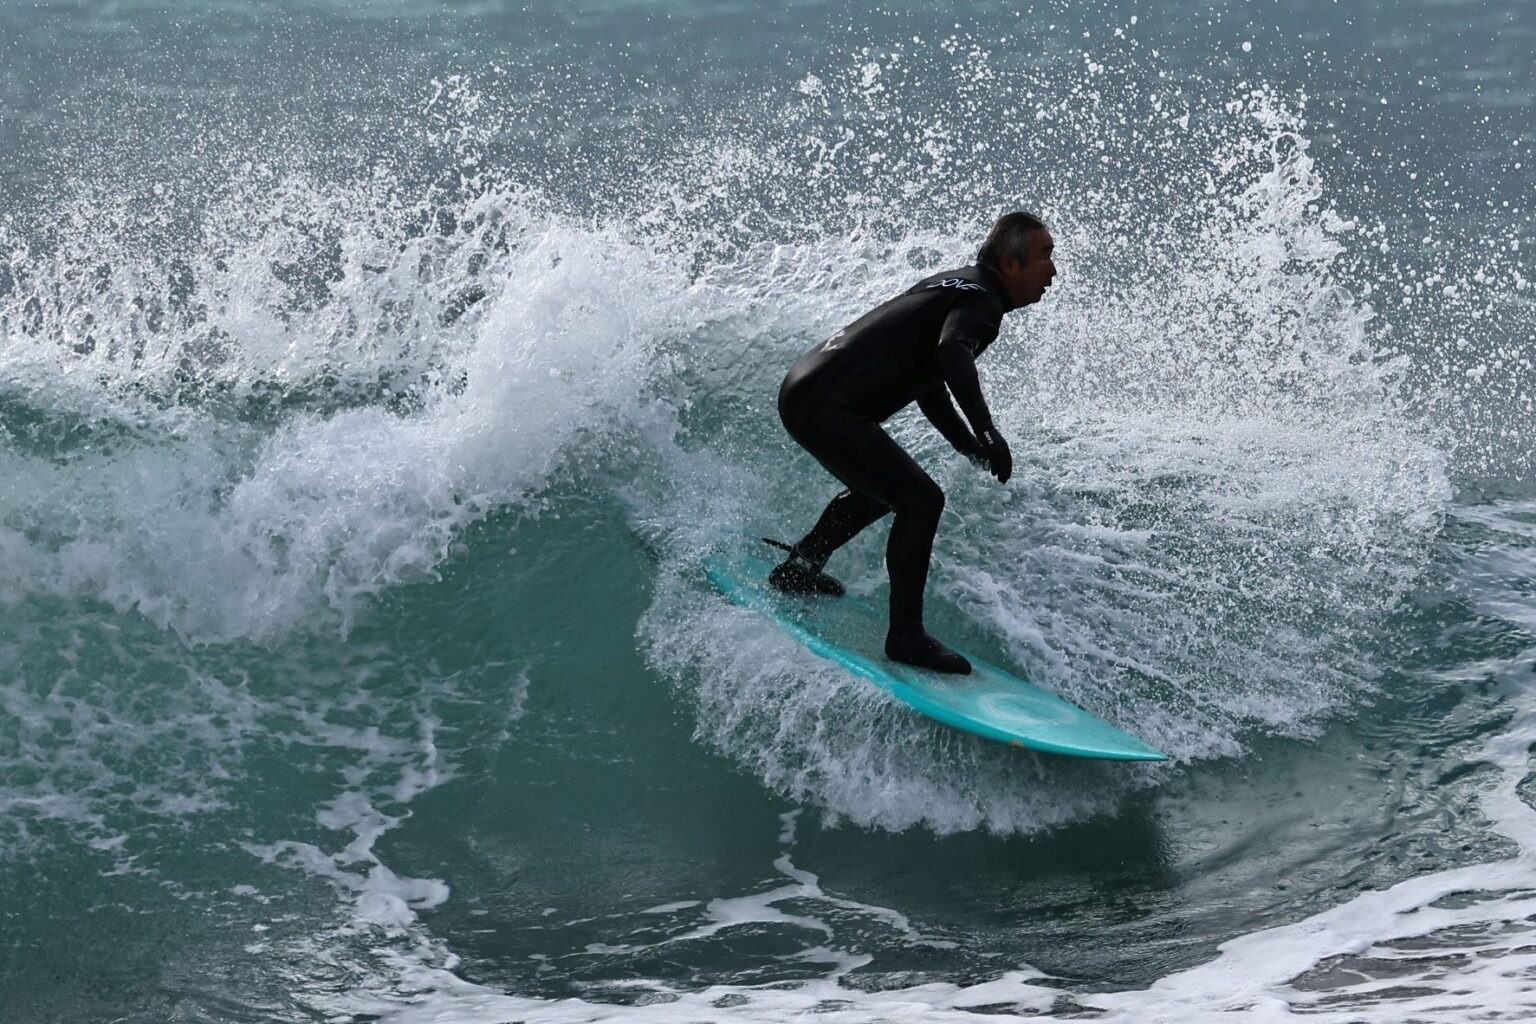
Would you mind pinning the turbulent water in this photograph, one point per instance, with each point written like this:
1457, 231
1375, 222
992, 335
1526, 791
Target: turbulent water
374, 377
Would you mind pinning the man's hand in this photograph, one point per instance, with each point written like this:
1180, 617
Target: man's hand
971, 449
994, 454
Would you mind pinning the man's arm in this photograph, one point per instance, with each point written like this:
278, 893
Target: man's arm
969, 328
941, 413
959, 369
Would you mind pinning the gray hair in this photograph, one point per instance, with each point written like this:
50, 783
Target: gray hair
1011, 236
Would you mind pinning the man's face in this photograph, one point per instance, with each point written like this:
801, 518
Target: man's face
1028, 279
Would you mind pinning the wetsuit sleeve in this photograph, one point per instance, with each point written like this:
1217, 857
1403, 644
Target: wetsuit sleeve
941, 413
973, 323
968, 330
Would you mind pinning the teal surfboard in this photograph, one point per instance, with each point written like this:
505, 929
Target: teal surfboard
990, 702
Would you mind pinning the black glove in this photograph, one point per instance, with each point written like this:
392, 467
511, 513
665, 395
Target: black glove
994, 451
971, 449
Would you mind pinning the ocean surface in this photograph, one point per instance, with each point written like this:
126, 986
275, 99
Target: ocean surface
374, 376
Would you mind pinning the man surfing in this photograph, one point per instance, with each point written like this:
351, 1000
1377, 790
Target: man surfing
921, 345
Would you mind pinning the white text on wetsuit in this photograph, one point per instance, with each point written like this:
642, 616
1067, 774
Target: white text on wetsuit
958, 282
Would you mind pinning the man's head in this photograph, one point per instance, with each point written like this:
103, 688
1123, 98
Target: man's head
1019, 250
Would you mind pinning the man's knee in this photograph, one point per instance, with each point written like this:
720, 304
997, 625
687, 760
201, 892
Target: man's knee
925, 501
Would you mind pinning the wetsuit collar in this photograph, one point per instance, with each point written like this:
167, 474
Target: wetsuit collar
995, 285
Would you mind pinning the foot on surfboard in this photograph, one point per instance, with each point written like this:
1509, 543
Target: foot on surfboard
920, 650
798, 577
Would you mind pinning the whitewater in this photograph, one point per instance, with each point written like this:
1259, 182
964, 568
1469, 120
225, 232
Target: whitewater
373, 382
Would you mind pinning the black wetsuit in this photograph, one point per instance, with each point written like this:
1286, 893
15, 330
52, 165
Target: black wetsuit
919, 346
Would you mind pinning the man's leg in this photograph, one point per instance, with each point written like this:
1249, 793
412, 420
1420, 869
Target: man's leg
845, 517
842, 520
879, 473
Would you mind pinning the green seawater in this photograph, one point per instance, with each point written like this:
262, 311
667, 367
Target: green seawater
374, 378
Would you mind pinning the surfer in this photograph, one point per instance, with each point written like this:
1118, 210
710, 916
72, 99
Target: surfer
921, 345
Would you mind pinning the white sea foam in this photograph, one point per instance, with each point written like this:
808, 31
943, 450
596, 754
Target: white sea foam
383, 900
223, 531
1217, 493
